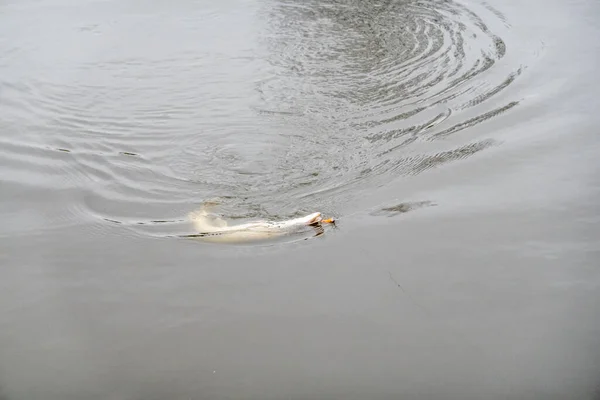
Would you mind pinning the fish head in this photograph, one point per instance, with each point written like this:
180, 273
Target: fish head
312, 219
307, 220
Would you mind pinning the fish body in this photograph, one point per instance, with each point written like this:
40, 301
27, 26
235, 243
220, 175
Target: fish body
214, 229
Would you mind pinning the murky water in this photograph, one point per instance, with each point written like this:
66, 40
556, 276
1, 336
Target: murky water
455, 142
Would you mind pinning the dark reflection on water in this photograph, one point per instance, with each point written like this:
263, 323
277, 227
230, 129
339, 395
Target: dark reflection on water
402, 208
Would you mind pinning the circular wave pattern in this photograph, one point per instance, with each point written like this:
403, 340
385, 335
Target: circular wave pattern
300, 107
389, 77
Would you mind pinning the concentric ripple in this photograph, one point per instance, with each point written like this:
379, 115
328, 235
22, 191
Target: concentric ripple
370, 85
272, 108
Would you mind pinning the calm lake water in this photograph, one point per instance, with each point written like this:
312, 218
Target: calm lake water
456, 142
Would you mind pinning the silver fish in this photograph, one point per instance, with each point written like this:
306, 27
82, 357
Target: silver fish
214, 229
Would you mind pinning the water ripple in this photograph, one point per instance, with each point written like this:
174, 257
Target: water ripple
302, 107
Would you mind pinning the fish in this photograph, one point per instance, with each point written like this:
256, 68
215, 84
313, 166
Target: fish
213, 228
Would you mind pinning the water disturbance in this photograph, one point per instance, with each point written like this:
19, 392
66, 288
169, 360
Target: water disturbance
301, 108
454, 142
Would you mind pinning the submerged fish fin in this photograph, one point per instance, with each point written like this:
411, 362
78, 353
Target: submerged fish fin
205, 221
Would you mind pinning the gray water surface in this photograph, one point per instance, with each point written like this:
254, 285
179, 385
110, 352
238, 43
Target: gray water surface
456, 142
